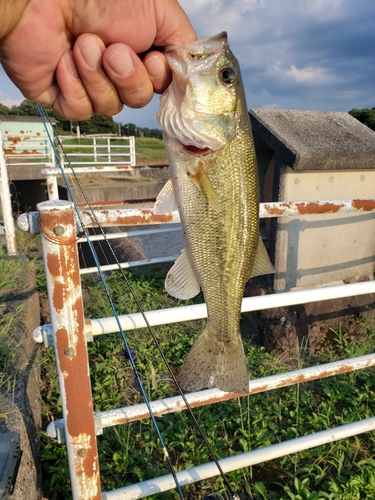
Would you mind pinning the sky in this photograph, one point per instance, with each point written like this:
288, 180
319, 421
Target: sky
294, 54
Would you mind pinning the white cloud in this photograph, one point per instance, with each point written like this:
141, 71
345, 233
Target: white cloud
271, 106
311, 74
7, 101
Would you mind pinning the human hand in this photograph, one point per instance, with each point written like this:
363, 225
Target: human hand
81, 57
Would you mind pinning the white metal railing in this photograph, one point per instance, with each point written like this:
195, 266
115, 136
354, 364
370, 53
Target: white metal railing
59, 240
102, 149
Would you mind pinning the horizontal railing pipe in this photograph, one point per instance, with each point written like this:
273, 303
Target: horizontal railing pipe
208, 470
126, 265
192, 312
206, 397
100, 326
123, 217
129, 234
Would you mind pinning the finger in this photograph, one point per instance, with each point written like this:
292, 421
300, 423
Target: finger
128, 74
158, 71
67, 96
72, 101
88, 51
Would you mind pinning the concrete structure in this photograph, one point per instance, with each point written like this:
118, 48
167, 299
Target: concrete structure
26, 148
25, 137
313, 155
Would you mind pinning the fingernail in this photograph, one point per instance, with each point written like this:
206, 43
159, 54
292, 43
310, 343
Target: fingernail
71, 65
121, 62
155, 67
92, 53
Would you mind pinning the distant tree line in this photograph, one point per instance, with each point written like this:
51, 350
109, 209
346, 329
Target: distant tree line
95, 125
366, 116
106, 125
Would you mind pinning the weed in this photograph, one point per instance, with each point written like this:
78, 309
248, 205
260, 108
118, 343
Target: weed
131, 453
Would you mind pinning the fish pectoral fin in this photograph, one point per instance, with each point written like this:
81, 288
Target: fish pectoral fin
181, 281
166, 202
201, 179
262, 264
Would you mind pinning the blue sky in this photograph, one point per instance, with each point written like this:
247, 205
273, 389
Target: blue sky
294, 54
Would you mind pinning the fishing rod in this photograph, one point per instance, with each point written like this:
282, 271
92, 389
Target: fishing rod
130, 352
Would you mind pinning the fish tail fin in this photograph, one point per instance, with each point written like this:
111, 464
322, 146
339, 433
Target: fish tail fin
211, 363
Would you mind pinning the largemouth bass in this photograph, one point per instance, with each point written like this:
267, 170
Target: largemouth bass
214, 185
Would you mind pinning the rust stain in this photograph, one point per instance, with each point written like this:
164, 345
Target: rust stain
14, 138
22, 132
146, 217
53, 265
50, 187
366, 205
58, 296
38, 133
280, 210
317, 208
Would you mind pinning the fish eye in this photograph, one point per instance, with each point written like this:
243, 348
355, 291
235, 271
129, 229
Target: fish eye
227, 75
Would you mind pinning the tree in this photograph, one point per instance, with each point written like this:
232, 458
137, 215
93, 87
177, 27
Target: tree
4, 110
365, 116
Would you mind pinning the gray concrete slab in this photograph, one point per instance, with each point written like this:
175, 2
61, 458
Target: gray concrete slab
315, 140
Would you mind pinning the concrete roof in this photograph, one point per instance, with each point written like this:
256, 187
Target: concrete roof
24, 119
315, 140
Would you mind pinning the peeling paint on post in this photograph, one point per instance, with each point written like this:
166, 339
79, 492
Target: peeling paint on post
57, 227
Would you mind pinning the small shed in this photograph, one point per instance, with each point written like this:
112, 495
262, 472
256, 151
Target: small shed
307, 156
25, 136
27, 148
316, 155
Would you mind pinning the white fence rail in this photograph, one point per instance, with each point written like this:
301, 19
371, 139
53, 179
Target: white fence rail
59, 237
100, 149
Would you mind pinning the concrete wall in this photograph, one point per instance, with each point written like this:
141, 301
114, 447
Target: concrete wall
318, 250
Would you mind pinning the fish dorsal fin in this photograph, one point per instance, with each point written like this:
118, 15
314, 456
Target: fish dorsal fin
181, 281
262, 264
204, 184
166, 202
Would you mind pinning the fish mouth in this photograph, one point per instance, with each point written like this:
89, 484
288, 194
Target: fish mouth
190, 148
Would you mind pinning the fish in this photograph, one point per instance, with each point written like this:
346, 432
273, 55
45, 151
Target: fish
214, 186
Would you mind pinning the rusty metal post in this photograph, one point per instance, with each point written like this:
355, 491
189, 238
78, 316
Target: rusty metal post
57, 227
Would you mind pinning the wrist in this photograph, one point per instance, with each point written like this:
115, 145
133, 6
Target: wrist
10, 14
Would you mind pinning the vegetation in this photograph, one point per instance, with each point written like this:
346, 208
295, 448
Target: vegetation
131, 453
12, 286
95, 125
366, 116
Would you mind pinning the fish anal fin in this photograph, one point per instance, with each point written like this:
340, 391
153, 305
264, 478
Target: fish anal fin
181, 281
166, 201
262, 263
204, 184
212, 363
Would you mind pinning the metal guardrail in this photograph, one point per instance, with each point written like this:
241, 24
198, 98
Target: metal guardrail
69, 334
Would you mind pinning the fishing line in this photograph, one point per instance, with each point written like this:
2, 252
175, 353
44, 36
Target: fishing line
233, 495
106, 289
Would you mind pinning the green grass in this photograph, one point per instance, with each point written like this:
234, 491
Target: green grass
12, 270
131, 453
150, 151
